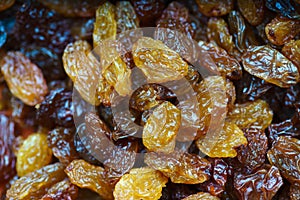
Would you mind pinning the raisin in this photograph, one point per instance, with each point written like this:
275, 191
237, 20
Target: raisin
7, 158
6, 4
284, 154
176, 191
81, 8
184, 27
282, 30
263, 184
256, 113
215, 8
157, 61
252, 10
25, 80
253, 155
140, 183
148, 11
283, 7
295, 191
33, 154
23, 115
85, 175
121, 160
126, 17
161, 128
226, 65
223, 142
180, 167
82, 147
57, 109
105, 25
291, 51
63, 190
177, 11
36, 184
218, 33
268, 64
61, 141
201, 195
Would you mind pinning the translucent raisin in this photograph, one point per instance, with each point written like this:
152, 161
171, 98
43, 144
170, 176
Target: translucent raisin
292, 51
252, 10
263, 184
148, 11
180, 167
57, 109
140, 183
63, 190
126, 17
284, 154
215, 8
25, 80
105, 25
157, 61
33, 154
226, 65
224, 142
61, 141
253, 155
281, 30
36, 184
85, 175
270, 65
256, 113
202, 196
161, 128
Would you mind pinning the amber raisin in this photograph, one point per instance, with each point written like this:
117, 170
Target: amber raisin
33, 154
214, 8
180, 167
25, 80
85, 175
292, 51
63, 190
202, 196
141, 183
6, 4
252, 10
270, 65
36, 184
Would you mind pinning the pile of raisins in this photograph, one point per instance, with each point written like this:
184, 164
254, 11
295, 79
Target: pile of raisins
78, 123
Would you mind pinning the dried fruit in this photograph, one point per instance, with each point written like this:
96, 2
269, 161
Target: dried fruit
33, 154
6, 4
24, 79
222, 143
63, 190
253, 155
56, 109
141, 183
161, 128
284, 154
263, 184
282, 30
176, 11
252, 10
61, 141
85, 175
105, 25
202, 196
295, 191
226, 65
270, 65
292, 51
215, 8
126, 17
180, 167
157, 61
148, 11
256, 114
36, 184
283, 7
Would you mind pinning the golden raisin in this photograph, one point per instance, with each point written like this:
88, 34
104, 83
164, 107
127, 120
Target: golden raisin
214, 8
222, 143
33, 154
202, 196
292, 51
141, 183
161, 128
